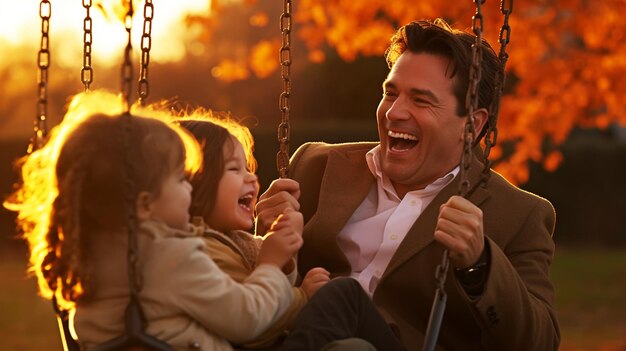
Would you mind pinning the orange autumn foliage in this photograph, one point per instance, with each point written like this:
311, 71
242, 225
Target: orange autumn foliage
263, 60
567, 58
229, 71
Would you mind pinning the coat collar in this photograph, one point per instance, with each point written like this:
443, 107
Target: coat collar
347, 181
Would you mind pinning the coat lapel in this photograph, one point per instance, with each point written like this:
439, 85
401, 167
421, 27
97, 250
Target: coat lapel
421, 233
345, 184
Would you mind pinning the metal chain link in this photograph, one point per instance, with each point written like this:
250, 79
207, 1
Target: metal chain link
127, 65
441, 272
468, 139
143, 88
134, 279
40, 128
284, 130
491, 136
86, 73
471, 100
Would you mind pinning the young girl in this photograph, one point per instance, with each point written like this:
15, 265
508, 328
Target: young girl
224, 197
72, 210
338, 317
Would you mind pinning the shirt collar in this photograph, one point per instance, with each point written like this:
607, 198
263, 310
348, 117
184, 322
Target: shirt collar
373, 162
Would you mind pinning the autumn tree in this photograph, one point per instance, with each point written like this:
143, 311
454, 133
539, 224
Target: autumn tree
567, 60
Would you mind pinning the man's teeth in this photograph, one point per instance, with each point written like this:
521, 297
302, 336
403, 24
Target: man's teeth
405, 136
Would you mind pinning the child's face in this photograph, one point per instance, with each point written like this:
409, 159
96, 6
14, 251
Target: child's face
236, 192
172, 205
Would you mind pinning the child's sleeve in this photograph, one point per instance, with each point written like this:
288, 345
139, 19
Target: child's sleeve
236, 311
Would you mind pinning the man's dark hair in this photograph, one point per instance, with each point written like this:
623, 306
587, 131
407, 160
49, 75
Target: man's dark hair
438, 38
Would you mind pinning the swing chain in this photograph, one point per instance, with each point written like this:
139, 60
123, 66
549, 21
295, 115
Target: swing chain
284, 130
491, 136
468, 140
86, 73
471, 99
133, 277
127, 66
40, 128
143, 88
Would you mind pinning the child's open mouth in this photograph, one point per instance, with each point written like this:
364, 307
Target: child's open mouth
245, 202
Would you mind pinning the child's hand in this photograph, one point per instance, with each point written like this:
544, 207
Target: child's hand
314, 279
289, 220
282, 194
283, 241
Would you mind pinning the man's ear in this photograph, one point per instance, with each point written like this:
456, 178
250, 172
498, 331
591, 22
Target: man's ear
144, 206
480, 118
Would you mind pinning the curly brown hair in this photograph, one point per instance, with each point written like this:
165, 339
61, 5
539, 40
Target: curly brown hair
438, 38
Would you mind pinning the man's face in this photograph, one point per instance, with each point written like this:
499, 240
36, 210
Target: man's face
420, 132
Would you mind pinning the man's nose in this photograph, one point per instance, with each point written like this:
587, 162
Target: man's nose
398, 110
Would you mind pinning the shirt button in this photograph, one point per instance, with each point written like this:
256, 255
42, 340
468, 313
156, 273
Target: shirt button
413, 202
393, 237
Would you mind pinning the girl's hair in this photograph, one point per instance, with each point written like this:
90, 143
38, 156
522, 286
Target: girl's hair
75, 186
213, 132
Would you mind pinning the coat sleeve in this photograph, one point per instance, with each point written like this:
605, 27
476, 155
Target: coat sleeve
515, 311
235, 311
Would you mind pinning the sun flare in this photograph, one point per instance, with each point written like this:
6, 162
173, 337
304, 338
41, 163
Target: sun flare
20, 29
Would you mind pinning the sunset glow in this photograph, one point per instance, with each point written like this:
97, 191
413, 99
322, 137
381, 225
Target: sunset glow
20, 29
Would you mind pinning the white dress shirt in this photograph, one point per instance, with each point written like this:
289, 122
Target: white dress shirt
378, 226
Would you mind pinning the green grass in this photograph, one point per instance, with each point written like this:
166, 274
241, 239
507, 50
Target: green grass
591, 298
591, 302
27, 321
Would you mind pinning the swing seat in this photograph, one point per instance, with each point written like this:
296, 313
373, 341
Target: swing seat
134, 338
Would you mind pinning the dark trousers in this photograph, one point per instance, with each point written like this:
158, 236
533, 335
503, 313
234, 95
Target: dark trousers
340, 310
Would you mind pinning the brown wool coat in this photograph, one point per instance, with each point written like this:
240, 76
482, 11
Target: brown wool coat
516, 309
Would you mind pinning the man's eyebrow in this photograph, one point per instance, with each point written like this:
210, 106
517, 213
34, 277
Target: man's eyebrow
414, 91
429, 93
388, 84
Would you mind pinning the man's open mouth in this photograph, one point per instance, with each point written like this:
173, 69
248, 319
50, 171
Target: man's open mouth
401, 141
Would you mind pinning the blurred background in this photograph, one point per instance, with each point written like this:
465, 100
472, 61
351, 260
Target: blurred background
561, 130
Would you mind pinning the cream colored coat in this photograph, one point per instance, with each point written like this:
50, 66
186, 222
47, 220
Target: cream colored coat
186, 298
